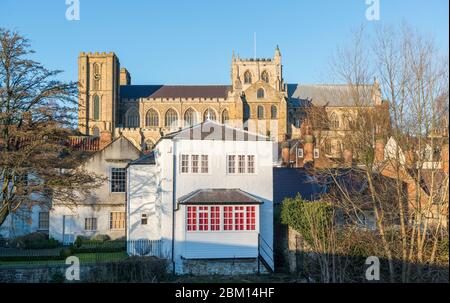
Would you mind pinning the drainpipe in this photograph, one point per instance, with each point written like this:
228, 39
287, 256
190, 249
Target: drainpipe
174, 172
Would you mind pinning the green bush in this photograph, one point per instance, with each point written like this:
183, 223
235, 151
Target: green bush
101, 238
34, 241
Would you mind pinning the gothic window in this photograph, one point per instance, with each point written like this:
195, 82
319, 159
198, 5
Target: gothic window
190, 118
171, 118
260, 93
132, 118
96, 107
334, 120
260, 112
209, 115
152, 118
265, 76
96, 76
247, 78
273, 112
225, 116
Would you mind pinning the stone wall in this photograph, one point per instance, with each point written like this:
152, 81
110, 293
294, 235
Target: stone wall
222, 267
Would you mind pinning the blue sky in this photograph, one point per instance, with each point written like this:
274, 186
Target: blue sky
191, 42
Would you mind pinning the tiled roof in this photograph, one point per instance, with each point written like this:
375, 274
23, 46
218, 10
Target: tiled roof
211, 130
219, 196
174, 91
330, 95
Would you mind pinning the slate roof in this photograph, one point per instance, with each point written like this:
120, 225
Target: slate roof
174, 91
211, 130
148, 159
219, 196
289, 182
323, 94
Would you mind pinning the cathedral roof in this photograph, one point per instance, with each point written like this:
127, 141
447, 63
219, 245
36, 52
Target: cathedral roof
327, 95
174, 91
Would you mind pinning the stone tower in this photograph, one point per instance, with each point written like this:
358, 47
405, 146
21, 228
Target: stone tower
98, 94
247, 71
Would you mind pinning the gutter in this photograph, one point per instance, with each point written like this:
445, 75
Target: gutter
174, 171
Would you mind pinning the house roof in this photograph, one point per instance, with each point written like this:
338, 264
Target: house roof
211, 130
289, 182
148, 159
219, 196
174, 91
327, 95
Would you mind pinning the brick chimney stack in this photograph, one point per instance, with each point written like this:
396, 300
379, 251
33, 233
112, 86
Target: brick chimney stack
105, 139
379, 150
308, 148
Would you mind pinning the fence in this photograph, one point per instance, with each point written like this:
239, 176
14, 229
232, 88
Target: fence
88, 253
146, 248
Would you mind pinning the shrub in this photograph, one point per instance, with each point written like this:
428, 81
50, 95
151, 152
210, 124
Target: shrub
101, 238
34, 241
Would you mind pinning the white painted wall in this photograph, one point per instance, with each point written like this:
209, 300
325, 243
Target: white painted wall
159, 180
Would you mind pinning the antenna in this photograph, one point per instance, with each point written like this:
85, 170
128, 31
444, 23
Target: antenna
254, 45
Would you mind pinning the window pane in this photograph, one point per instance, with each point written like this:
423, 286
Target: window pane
239, 218
203, 212
184, 164
251, 164
118, 180
195, 164
250, 218
192, 218
43, 220
231, 164
204, 164
215, 218
117, 220
228, 218
241, 164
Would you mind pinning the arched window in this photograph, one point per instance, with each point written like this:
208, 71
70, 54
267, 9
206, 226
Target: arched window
260, 93
209, 114
225, 116
152, 118
260, 112
96, 76
171, 118
273, 112
247, 78
148, 145
334, 120
190, 117
96, 107
265, 76
96, 132
132, 118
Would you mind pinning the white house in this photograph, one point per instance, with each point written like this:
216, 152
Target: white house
102, 212
205, 195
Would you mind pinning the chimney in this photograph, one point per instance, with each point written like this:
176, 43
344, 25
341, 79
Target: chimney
285, 154
125, 78
105, 139
444, 156
379, 150
308, 148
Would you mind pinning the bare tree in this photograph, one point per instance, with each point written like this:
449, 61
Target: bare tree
36, 115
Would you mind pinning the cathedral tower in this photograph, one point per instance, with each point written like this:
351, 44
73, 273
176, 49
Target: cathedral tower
98, 92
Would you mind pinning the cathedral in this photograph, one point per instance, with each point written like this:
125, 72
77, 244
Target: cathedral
258, 100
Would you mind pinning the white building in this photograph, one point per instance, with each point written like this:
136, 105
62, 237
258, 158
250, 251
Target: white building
101, 212
205, 196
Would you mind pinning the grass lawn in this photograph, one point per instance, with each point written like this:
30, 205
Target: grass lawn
84, 258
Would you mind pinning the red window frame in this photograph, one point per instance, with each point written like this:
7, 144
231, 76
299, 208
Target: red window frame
228, 218
203, 215
250, 214
239, 218
215, 218
192, 218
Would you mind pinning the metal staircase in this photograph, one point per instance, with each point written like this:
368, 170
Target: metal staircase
265, 255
